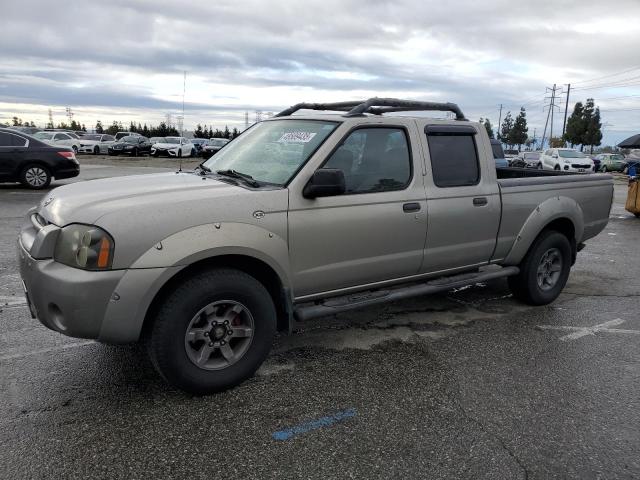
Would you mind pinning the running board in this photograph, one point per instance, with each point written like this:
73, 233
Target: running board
344, 303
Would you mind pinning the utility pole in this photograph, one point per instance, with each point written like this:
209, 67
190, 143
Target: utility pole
553, 104
546, 123
184, 89
534, 138
566, 107
499, 120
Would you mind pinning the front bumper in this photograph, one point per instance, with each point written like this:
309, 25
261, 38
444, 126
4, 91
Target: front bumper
108, 306
65, 299
160, 152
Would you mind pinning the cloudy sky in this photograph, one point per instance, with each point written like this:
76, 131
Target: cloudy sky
125, 60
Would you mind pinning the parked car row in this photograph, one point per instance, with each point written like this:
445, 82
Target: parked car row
132, 143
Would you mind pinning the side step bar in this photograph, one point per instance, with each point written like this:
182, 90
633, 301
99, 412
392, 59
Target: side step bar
344, 303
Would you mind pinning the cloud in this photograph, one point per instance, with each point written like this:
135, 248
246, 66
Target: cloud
265, 55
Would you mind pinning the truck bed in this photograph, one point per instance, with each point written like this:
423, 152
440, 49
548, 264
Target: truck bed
529, 194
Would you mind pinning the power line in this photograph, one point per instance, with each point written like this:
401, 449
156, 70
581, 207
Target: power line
607, 76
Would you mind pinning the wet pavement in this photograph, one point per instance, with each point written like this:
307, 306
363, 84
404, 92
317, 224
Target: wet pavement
467, 384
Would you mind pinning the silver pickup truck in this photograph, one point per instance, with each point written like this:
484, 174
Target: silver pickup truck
302, 216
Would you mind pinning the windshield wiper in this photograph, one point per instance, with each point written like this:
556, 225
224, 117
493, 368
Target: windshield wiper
243, 176
204, 168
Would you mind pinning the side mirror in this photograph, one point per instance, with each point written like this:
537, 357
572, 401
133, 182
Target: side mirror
325, 182
555, 155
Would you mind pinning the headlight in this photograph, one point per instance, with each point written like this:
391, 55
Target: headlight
84, 246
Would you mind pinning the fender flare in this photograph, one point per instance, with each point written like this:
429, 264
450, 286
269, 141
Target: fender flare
554, 208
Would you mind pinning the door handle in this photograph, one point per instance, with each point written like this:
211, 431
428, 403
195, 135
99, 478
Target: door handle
411, 207
480, 201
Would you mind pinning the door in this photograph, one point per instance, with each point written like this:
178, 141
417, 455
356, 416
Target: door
12, 149
463, 200
376, 230
63, 139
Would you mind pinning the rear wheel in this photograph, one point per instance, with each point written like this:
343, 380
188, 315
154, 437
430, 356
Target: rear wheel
557, 167
96, 150
539, 166
544, 270
35, 176
213, 331
193, 152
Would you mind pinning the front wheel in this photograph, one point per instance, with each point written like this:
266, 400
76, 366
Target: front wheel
539, 166
96, 150
544, 271
213, 331
604, 169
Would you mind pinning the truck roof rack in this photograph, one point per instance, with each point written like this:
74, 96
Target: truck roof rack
376, 106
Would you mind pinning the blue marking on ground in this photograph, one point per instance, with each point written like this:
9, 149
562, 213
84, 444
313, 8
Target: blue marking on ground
314, 424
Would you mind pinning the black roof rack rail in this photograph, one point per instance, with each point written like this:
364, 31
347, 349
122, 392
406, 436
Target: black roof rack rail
376, 106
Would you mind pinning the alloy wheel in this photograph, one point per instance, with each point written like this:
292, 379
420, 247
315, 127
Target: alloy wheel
549, 269
219, 335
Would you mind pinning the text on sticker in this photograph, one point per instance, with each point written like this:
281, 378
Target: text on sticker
296, 137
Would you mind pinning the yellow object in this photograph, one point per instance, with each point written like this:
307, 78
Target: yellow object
633, 198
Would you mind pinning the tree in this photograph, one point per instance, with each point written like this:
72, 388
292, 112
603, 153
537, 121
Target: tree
575, 128
235, 132
84, 129
210, 134
505, 129
485, 122
227, 133
99, 128
114, 128
556, 142
17, 122
592, 135
518, 133
199, 133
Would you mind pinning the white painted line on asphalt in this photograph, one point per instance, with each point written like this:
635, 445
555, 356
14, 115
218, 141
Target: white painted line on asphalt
12, 300
46, 350
579, 332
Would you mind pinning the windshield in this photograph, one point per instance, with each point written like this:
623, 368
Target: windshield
92, 137
157, 140
172, 140
130, 139
218, 142
570, 154
43, 135
532, 156
272, 151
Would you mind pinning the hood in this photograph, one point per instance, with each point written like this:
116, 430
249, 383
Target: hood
166, 145
86, 202
141, 210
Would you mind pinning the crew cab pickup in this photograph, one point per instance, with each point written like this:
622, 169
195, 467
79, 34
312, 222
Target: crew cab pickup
302, 216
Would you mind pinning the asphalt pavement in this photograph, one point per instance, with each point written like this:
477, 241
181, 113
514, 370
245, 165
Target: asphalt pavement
467, 384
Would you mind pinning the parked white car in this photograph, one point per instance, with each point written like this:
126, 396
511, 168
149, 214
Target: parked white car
60, 138
174, 147
567, 160
96, 143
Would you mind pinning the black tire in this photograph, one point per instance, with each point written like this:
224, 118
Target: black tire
167, 345
539, 166
557, 167
525, 286
96, 150
134, 152
35, 176
193, 152
112, 154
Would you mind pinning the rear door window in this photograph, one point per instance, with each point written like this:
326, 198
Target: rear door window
5, 140
454, 156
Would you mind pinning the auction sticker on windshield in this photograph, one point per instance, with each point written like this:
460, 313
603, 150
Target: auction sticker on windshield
296, 137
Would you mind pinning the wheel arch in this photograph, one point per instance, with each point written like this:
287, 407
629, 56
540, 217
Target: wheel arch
257, 268
562, 214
